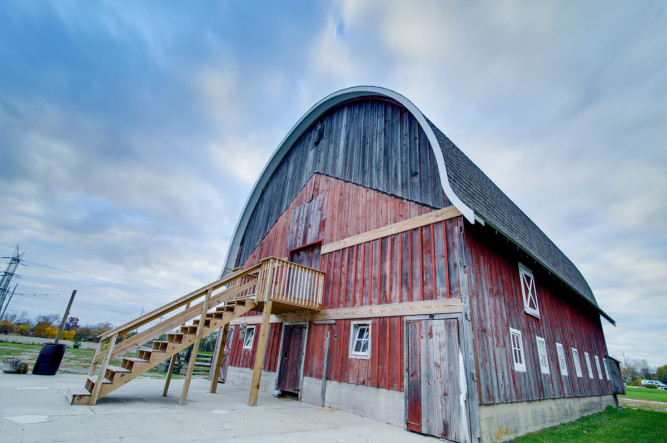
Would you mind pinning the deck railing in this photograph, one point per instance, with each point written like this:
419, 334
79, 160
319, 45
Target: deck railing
292, 284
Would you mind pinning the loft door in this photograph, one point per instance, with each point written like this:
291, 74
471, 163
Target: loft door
307, 256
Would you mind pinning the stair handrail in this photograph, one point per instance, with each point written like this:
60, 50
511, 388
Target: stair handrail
176, 304
172, 322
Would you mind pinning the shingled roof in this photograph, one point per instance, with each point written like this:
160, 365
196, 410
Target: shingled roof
477, 191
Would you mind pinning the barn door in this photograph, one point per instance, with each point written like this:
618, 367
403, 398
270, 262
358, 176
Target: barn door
433, 394
291, 357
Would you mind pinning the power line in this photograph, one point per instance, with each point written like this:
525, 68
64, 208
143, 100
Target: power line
107, 282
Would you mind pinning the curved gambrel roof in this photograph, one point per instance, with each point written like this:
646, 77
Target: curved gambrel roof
465, 185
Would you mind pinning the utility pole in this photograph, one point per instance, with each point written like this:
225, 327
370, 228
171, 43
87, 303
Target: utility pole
8, 275
8, 300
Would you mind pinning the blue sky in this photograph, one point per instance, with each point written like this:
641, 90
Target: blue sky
132, 132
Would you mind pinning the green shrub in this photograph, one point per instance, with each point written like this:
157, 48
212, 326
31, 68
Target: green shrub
7, 327
651, 386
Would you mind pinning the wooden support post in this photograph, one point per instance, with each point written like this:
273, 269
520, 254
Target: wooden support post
195, 347
172, 362
107, 358
170, 371
217, 359
323, 389
261, 350
263, 335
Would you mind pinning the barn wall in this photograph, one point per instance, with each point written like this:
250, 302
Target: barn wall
384, 368
245, 358
497, 305
375, 143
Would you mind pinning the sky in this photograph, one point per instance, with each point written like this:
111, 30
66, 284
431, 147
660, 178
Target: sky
132, 132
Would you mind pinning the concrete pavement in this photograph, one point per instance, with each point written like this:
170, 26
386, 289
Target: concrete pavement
35, 409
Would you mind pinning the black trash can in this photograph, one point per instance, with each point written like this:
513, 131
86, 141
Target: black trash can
49, 359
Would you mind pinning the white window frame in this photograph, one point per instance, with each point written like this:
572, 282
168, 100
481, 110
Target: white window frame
562, 363
518, 356
249, 339
597, 365
355, 327
528, 291
542, 354
605, 363
577, 362
588, 365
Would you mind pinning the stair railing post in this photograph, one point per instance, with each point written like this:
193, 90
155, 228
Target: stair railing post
100, 377
195, 347
93, 365
172, 362
217, 359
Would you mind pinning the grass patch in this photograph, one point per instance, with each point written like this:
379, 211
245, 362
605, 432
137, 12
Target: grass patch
618, 425
645, 394
74, 360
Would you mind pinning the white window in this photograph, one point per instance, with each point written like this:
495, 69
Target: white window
577, 363
606, 367
597, 365
360, 340
542, 354
588, 365
561, 359
517, 350
249, 337
528, 291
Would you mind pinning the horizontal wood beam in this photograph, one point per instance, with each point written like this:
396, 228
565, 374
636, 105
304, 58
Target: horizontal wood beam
385, 231
445, 306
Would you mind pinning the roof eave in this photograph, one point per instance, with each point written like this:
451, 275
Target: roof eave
483, 222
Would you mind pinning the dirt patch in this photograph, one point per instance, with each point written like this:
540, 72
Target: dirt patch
643, 404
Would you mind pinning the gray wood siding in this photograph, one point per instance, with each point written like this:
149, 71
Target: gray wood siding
373, 143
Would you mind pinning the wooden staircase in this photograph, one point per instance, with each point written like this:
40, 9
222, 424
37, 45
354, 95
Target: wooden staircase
289, 286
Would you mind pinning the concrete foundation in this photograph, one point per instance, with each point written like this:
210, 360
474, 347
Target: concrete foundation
510, 420
242, 377
379, 404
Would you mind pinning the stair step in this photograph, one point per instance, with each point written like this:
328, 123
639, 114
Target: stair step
117, 369
175, 338
160, 346
128, 362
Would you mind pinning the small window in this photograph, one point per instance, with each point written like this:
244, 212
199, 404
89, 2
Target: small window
588, 365
528, 291
577, 363
360, 340
561, 359
249, 337
542, 354
517, 350
606, 367
597, 365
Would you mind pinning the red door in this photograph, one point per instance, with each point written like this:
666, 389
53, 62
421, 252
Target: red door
289, 374
433, 387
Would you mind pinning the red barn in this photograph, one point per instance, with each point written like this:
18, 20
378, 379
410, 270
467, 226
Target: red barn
445, 309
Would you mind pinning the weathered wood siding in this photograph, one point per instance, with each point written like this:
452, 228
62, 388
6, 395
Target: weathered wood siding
497, 305
376, 144
384, 368
409, 266
245, 358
